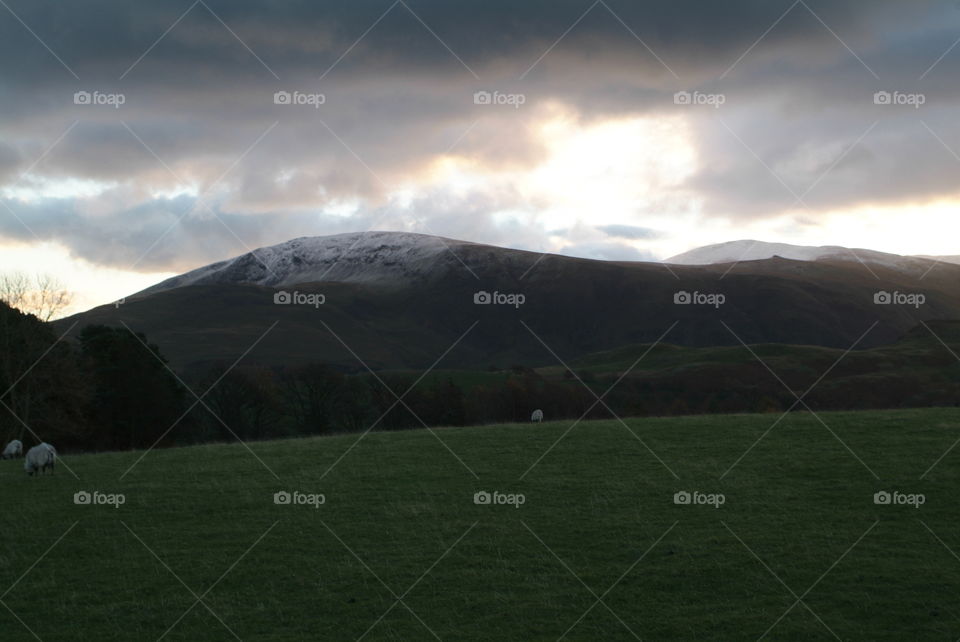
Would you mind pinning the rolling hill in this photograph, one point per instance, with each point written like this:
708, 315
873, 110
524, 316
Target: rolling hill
752, 250
400, 300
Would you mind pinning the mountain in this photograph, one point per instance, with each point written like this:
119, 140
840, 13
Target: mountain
401, 300
750, 250
361, 257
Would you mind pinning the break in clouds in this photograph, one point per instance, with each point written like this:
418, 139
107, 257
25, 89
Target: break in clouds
179, 153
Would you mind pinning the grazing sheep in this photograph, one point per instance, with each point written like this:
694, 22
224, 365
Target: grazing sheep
39, 458
13, 449
537, 416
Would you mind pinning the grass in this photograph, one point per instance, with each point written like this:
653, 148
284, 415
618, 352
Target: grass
598, 520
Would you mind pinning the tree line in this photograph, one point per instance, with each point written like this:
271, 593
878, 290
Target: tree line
109, 388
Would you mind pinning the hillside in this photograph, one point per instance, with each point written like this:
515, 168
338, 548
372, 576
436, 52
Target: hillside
598, 518
402, 306
642, 380
752, 250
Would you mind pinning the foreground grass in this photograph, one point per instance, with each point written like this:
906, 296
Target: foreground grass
598, 521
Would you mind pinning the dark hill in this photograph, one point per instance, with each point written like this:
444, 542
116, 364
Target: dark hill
576, 306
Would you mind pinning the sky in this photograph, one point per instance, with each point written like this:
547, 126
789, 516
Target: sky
140, 140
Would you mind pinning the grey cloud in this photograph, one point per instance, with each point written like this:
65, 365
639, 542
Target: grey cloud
631, 232
10, 160
400, 99
177, 234
107, 35
607, 251
161, 234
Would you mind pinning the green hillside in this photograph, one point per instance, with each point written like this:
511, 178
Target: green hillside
598, 521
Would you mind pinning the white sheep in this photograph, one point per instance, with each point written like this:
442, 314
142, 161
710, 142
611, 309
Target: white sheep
39, 458
537, 416
13, 449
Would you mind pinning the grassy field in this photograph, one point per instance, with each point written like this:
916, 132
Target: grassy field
598, 521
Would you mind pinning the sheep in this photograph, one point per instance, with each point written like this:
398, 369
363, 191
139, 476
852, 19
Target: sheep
13, 449
537, 416
39, 458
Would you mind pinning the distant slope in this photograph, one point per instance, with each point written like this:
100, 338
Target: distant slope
955, 259
916, 371
750, 250
397, 307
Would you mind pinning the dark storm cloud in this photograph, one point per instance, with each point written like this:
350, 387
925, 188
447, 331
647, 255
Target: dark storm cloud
107, 35
202, 100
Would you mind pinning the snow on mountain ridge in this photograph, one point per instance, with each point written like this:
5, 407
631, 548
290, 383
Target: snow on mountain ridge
366, 257
406, 257
749, 250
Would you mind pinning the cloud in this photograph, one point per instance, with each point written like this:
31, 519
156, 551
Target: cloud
607, 251
798, 131
630, 232
10, 160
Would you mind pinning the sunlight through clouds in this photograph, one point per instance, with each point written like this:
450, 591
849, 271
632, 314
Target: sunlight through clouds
92, 284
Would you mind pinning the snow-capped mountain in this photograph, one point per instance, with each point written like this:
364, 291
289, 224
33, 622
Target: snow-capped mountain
750, 250
405, 258
404, 298
359, 257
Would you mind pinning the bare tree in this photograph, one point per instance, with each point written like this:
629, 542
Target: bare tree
50, 297
43, 295
14, 287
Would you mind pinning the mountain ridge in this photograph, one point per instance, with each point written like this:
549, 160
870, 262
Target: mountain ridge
389, 257
356, 257
753, 250
401, 300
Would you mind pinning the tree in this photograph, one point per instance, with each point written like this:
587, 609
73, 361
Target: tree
246, 401
312, 393
41, 391
446, 404
42, 295
135, 399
